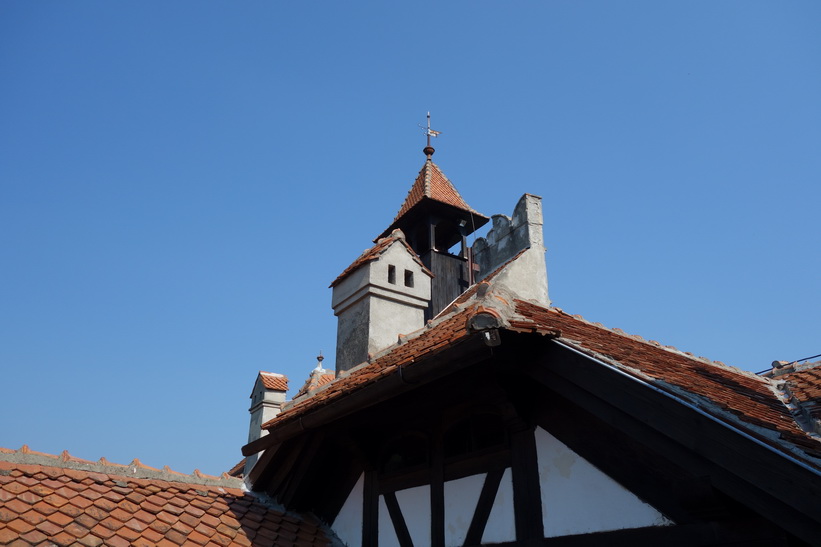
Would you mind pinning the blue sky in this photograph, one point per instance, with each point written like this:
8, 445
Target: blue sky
180, 182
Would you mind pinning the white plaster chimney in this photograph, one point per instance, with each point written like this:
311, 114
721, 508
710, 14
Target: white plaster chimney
267, 399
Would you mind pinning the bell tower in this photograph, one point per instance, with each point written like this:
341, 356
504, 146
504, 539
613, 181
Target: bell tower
436, 222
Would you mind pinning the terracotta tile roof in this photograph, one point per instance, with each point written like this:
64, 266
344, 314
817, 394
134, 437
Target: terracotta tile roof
67, 501
741, 396
436, 337
732, 395
272, 380
804, 384
375, 252
431, 183
316, 380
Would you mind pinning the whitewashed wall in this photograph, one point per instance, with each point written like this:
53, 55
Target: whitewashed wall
577, 498
348, 523
415, 506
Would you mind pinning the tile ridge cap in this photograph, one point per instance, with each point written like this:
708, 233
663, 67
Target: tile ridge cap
133, 470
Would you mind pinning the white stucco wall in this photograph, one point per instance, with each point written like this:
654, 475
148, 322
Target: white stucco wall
348, 523
415, 506
501, 524
461, 497
577, 498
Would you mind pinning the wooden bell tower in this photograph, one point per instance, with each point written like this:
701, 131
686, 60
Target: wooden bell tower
436, 222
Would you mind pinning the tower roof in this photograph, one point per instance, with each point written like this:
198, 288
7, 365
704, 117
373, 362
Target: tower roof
431, 185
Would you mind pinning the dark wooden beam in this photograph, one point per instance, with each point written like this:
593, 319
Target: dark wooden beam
483, 507
370, 511
527, 498
399, 525
301, 468
437, 492
462, 355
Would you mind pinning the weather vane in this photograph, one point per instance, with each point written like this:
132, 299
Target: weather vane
429, 150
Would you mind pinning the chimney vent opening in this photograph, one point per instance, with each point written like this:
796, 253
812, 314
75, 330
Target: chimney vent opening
408, 278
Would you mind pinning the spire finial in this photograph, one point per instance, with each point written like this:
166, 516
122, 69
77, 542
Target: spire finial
429, 150
319, 359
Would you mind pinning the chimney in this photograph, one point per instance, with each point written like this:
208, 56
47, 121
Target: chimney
267, 400
383, 294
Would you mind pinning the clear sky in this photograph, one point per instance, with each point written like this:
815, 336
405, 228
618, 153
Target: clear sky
181, 181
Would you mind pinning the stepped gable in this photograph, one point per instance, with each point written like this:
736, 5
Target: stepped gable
733, 396
62, 500
374, 253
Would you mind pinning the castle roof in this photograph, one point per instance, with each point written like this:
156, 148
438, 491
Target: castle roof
69, 501
732, 396
431, 185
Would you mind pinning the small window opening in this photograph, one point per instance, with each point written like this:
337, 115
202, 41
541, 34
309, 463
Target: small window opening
392, 274
408, 278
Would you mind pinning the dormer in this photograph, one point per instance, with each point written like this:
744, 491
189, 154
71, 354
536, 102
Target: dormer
383, 294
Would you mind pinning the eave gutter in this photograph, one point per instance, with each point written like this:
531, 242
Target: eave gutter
693, 407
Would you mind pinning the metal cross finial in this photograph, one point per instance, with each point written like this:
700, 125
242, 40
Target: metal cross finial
429, 150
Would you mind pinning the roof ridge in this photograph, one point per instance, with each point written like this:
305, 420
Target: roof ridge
136, 469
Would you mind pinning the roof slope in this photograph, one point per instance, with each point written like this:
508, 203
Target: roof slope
733, 396
431, 183
67, 501
803, 384
375, 252
272, 380
738, 396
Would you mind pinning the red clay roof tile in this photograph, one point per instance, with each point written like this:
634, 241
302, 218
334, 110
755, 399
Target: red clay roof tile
316, 380
740, 397
748, 397
272, 380
431, 183
375, 252
119, 517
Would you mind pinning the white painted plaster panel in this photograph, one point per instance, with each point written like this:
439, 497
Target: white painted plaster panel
348, 523
461, 497
415, 506
387, 533
577, 498
501, 525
